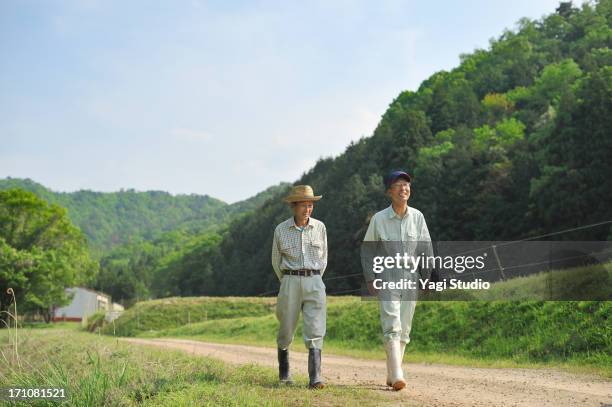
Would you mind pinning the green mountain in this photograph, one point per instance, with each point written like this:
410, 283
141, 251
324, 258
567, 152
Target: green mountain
113, 219
514, 142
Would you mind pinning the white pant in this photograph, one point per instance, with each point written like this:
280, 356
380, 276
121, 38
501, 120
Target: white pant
308, 295
397, 306
396, 319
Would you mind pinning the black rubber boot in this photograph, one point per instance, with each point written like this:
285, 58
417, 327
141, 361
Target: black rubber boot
283, 366
314, 369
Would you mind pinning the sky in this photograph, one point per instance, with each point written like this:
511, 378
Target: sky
223, 98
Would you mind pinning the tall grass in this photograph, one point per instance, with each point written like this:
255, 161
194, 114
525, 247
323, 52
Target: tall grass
13, 332
101, 371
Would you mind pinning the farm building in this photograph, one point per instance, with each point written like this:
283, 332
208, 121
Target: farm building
84, 303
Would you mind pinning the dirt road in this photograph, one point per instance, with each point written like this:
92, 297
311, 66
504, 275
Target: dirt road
428, 384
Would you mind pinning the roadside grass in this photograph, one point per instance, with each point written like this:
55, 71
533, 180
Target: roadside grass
574, 336
102, 371
54, 325
179, 311
593, 282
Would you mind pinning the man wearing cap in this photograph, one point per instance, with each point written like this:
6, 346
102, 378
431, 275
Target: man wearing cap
299, 258
397, 226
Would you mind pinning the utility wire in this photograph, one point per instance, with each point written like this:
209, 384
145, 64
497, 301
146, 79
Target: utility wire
502, 244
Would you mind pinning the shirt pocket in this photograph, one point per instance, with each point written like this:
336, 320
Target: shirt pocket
290, 249
315, 244
316, 247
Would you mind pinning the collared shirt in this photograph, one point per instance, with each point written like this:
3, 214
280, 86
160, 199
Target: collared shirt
295, 248
406, 233
387, 225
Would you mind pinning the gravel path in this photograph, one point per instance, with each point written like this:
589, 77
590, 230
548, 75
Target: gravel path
428, 384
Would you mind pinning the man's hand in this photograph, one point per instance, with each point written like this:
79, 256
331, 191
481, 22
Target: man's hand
372, 290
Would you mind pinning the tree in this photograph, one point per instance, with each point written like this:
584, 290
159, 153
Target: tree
565, 9
574, 184
41, 252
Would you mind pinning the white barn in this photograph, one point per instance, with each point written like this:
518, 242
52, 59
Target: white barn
84, 303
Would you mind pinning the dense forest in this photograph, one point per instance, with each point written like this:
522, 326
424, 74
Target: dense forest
514, 142
112, 219
136, 240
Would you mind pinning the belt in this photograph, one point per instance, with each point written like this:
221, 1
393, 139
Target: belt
302, 272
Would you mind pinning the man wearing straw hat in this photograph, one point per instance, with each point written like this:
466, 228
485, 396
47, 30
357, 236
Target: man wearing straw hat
399, 225
299, 258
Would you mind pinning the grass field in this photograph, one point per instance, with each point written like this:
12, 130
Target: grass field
175, 312
573, 335
523, 332
100, 370
576, 335
593, 282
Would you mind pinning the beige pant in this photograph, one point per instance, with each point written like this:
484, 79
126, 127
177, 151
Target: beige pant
308, 295
396, 319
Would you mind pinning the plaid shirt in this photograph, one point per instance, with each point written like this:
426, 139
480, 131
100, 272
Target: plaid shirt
296, 248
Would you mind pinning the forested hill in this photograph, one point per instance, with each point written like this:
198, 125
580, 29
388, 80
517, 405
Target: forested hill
516, 141
116, 218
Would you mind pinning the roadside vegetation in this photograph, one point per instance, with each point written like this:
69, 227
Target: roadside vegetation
98, 370
569, 334
179, 311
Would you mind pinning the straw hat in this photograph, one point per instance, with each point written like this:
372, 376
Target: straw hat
301, 193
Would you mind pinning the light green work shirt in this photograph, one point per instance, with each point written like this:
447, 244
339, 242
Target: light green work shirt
399, 234
387, 225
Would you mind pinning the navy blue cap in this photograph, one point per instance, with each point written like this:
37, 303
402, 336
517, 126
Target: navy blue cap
393, 176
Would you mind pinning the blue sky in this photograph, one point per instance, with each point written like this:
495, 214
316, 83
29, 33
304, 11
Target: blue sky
221, 98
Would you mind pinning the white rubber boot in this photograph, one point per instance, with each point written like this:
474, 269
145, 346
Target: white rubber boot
389, 382
394, 363
402, 351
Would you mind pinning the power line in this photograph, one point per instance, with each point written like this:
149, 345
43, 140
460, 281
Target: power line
344, 291
537, 237
502, 244
560, 232
344, 276
327, 279
267, 292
